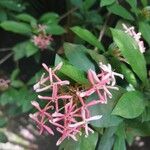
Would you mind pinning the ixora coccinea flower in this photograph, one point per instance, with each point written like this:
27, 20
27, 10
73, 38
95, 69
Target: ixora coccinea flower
136, 36
42, 40
69, 112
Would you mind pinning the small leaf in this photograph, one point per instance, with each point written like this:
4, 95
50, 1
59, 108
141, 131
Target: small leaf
88, 4
15, 74
87, 36
130, 105
17, 83
97, 57
130, 51
117, 9
30, 49
49, 18
77, 56
106, 2
129, 75
16, 27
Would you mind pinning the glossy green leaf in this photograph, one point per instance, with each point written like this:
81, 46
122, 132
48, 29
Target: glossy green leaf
54, 29
16, 27
83, 143
106, 2
120, 11
131, 53
77, 56
144, 28
87, 36
105, 110
130, 105
26, 17
74, 73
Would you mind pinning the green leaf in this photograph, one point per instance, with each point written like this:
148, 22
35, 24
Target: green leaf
144, 2
129, 75
87, 36
49, 18
106, 2
97, 57
132, 3
83, 143
130, 51
12, 5
130, 105
146, 114
147, 57
55, 29
15, 74
77, 56
16, 27
17, 83
120, 11
144, 27
105, 110
3, 15
107, 140
30, 49
137, 128
88, 4
71, 71
3, 122
23, 49
3, 138
19, 51
94, 18
26, 17
119, 143
77, 3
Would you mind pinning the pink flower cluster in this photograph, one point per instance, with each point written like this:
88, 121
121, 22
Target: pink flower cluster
69, 112
42, 40
136, 36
